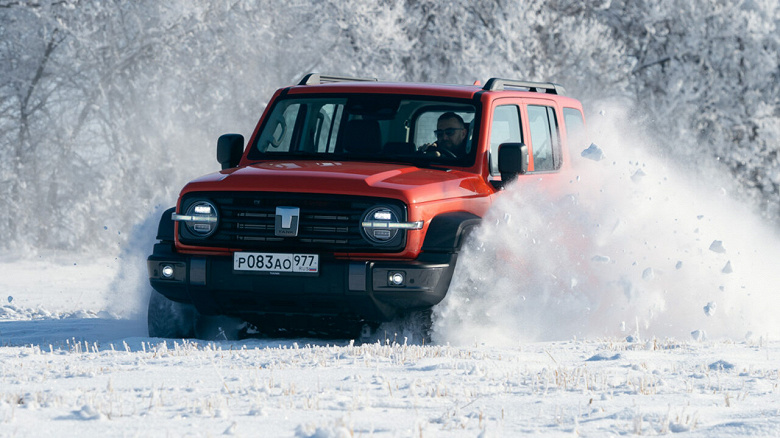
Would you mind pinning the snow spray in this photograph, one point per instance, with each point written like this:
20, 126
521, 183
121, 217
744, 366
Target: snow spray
634, 247
128, 294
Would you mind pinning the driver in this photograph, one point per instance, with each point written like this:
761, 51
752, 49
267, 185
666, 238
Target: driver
450, 137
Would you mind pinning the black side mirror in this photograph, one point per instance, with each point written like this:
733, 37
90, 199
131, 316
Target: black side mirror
512, 161
230, 147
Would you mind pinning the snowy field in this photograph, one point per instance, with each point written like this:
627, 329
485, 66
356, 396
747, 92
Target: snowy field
69, 368
639, 303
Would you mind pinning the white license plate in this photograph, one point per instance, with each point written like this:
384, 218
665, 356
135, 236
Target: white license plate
276, 262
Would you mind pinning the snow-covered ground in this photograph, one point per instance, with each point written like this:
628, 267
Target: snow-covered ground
146, 387
631, 301
69, 368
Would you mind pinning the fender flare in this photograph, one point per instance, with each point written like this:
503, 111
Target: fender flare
448, 231
165, 228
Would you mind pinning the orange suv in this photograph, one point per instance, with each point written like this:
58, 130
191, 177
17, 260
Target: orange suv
350, 202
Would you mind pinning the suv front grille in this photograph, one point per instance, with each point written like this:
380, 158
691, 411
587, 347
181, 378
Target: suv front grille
329, 223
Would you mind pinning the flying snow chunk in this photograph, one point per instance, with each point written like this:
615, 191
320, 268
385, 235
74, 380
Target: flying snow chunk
10, 298
638, 175
648, 274
593, 152
678, 265
727, 269
717, 246
600, 259
709, 309
699, 335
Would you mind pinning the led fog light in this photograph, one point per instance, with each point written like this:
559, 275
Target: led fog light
396, 279
167, 271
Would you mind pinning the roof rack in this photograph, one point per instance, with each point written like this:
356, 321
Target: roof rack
316, 79
497, 84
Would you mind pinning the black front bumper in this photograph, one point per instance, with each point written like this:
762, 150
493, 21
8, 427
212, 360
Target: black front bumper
351, 289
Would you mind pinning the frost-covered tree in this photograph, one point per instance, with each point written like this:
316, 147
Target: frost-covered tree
108, 107
25, 56
707, 75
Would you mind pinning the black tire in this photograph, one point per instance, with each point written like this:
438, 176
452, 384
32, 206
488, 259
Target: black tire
169, 319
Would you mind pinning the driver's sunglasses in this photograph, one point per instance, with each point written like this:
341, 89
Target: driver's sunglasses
449, 131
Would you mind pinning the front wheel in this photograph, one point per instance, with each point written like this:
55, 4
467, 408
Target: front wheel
170, 319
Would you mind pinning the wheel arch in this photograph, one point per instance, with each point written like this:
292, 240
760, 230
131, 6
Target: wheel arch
165, 229
448, 231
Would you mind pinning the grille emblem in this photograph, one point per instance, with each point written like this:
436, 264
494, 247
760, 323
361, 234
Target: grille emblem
286, 221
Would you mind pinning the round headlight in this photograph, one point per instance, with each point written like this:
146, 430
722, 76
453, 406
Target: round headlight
380, 224
204, 218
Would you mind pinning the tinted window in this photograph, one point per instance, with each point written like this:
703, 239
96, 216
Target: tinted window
505, 129
545, 140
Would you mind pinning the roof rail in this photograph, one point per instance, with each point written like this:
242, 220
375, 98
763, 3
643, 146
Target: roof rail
497, 84
316, 79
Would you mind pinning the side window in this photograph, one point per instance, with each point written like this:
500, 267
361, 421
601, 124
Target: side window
575, 129
545, 140
505, 129
309, 125
328, 121
426, 124
427, 121
279, 135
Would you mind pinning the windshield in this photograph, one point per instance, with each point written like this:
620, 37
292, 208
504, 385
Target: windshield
376, 127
